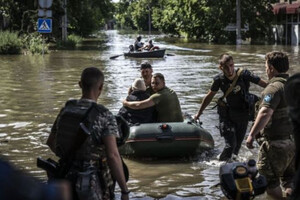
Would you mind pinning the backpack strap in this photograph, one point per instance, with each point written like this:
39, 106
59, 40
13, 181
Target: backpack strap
233, 83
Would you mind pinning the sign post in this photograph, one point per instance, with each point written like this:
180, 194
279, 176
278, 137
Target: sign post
64, 22
45, 23
238, 23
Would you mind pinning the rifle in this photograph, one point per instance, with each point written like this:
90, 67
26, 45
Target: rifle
50, 166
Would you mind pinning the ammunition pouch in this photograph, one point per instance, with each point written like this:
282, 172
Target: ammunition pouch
222, 109
87, 185
251, 100
226, 127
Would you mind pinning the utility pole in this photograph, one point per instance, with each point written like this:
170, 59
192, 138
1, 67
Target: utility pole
149, 18
64, 22
238, 22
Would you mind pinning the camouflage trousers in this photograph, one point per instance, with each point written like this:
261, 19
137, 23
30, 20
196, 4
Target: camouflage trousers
92, 184
276, 161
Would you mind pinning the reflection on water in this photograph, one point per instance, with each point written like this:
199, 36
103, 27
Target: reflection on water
34, 88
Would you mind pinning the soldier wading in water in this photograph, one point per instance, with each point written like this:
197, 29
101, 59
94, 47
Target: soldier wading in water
234, 109
276, 159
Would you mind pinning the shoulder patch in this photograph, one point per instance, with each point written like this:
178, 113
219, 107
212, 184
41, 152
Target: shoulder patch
267, 98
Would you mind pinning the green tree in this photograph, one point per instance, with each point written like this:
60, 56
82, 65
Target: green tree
123, 14
88, 16
166, 17
201, 19
139, 14
259, 19
85, 16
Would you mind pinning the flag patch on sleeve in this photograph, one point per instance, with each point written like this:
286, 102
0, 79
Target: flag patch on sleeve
267, 98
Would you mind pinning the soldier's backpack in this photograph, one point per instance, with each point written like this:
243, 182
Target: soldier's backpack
74, 125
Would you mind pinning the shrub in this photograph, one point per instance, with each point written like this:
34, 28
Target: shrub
72, 41
10, 43
34, 43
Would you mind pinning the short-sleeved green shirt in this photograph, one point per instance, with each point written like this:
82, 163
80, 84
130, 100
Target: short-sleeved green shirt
273, 97
167, 106
276, 155
272, 94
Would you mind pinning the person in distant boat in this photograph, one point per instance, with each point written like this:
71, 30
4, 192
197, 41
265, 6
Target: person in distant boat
150, 46
138, 44
164, 99
233, 119
138, 94
131, 48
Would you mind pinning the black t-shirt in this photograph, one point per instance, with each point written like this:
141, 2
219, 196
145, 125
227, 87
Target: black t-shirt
236, 98
146, 115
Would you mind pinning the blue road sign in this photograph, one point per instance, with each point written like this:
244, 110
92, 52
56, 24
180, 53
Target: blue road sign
44, 25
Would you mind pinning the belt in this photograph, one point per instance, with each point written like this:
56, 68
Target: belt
83, 164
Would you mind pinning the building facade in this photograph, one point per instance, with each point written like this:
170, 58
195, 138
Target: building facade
287, 22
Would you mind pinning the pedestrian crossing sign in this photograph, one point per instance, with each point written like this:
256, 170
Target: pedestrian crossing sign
44, 25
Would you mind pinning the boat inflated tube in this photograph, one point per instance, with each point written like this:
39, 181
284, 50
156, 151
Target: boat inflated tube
165, 138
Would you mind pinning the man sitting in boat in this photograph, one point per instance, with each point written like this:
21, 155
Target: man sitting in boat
146, 74
138, 94
150, 46
138, 44
164, 99
131, 48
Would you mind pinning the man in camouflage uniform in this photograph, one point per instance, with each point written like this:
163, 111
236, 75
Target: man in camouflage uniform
97, 159
277, 150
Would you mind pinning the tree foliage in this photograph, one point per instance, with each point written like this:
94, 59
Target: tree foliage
201, 19
84, 16
87, 16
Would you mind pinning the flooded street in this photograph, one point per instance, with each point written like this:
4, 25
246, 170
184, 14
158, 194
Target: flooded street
34, 88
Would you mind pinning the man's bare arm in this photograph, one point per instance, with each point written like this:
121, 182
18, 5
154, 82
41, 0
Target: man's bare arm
137, 105
263, 117
262, 83
115, 163
206, 101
